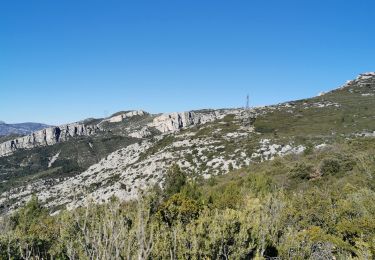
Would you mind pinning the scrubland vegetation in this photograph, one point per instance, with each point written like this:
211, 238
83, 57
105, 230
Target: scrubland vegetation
317, 205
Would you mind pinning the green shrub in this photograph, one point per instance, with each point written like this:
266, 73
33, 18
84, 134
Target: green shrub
302, 170
175, 179
309, 149
179, 209
330, 166
259, 183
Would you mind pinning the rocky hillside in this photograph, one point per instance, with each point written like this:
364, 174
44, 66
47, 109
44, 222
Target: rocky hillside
131, 150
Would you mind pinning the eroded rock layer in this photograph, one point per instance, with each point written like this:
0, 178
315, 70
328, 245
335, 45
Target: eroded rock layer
47, 136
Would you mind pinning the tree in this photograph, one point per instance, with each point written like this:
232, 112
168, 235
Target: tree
175, 179
179, 209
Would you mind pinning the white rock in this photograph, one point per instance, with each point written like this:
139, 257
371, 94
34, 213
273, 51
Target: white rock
123, 116
47, 136
53, 159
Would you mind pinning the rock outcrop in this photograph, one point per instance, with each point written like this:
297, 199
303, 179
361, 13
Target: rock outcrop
141, 133
364, 79
120, 117
178, 120
47, 136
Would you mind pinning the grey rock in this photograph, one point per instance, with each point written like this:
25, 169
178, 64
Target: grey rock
47, 136
179, 120
122, 116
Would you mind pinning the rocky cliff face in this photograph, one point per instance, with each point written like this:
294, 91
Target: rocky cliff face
178, 120
122, 116
47, 136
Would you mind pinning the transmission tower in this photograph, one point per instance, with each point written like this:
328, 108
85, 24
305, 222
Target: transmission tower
248, 116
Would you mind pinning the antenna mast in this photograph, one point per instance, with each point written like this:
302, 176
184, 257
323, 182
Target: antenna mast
249, 115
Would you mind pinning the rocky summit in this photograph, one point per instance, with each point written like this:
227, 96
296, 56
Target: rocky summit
125, 154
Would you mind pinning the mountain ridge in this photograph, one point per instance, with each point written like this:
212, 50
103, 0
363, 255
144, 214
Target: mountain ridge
131, 152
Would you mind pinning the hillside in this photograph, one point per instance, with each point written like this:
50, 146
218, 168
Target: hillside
289, 181
132, 150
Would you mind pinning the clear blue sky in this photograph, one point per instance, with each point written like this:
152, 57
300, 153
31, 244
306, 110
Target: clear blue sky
62, 61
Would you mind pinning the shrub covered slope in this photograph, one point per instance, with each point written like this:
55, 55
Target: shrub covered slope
313, 203
316, 205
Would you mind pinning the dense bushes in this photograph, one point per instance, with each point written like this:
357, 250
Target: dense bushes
303, 224
277, 225
273, 209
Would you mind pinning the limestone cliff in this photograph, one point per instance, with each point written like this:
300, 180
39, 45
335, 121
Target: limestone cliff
178, 120
47, 136
119, 117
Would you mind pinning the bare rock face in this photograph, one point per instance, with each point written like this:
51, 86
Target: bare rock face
47, 136
361, 81
142, 133
178, 120
123, 116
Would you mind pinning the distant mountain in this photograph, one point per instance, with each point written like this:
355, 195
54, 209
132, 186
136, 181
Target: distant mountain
19, 129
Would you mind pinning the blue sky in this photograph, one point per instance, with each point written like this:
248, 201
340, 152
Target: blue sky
62, 61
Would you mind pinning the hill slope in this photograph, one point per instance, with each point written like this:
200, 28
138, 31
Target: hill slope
132, 151
296, 183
